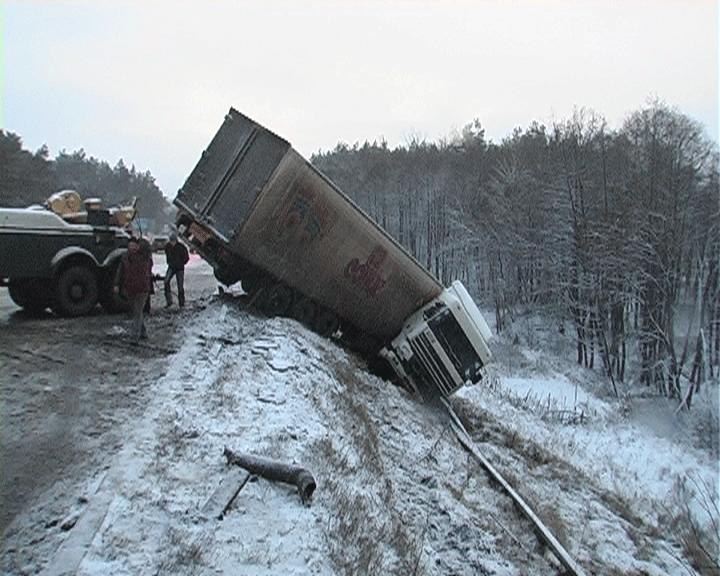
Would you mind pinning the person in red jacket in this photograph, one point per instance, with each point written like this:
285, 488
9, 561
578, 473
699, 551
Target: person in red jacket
135, 282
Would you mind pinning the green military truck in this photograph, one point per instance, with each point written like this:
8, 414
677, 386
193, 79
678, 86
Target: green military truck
48, 262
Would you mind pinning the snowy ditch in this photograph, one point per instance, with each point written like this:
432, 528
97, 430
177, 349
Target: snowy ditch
396, 493
625, 458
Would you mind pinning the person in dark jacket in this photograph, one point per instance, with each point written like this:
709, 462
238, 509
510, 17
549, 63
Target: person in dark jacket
177, 256
135, 282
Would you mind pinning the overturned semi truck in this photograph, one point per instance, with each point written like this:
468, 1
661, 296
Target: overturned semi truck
259, 213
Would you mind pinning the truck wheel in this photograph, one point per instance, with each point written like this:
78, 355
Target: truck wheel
303, 310
252, 283
76, 291
278, 300
365, 344
326, 323
225, 277
31, 295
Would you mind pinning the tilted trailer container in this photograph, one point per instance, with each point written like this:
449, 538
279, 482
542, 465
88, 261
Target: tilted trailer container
259, 213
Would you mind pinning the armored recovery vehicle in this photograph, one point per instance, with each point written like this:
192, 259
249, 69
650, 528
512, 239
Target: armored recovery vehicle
259, 213
48, 260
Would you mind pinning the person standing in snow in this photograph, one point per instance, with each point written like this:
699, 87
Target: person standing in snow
135, 281
177, 256
146, 250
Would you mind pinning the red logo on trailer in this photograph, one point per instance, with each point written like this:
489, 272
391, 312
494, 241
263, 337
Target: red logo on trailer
367, 274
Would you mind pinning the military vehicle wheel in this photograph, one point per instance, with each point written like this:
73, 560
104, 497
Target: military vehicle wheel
326, 323
31, 295
303, 310
278, 300
18, 292
76, 291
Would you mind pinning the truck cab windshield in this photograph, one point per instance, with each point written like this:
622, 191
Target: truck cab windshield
456, 345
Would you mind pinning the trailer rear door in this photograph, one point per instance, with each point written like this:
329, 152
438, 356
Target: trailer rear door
232, 172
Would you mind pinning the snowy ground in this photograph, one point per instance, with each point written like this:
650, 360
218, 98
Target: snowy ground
67, 384
396, 493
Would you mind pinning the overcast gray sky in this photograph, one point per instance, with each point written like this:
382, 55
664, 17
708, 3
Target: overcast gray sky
150, 81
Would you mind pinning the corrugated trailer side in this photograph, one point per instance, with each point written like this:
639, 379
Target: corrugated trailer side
269, 207
231, 173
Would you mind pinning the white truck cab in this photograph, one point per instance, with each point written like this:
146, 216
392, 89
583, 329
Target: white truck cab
443, 344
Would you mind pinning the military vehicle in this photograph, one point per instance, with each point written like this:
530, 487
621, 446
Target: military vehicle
62, 257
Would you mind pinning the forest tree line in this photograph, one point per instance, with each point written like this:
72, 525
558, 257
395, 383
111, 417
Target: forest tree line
31, 177
614, 233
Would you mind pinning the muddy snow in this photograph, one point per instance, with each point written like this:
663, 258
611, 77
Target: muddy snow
145, 429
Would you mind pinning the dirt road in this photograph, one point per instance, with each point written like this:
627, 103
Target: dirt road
67, 383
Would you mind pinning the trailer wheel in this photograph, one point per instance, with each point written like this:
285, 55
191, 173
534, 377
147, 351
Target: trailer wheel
225, 276
278, 300
30, 294
76, 291
303, 310
326, 323
252, 283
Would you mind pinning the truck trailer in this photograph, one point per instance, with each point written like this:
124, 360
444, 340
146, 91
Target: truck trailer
261, 214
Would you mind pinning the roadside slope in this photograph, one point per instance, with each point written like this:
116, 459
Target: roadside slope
396, 493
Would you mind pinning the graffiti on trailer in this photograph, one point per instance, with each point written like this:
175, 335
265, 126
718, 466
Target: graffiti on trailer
367, 274
305, 216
